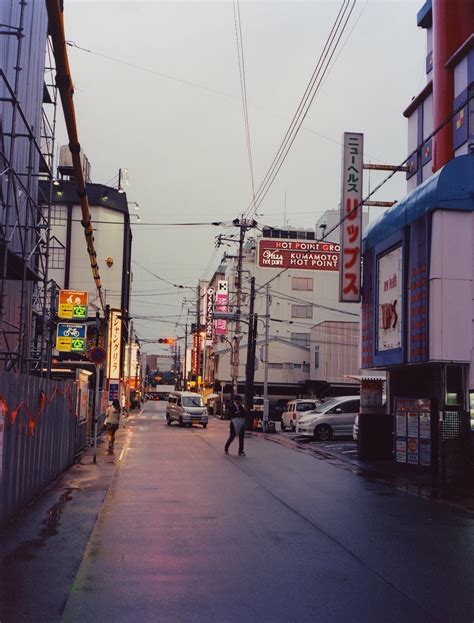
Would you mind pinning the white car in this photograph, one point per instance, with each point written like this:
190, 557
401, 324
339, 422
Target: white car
294, 410
335, 417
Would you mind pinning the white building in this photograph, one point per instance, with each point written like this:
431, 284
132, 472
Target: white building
297, 285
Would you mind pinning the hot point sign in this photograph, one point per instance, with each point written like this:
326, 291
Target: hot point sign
304, 254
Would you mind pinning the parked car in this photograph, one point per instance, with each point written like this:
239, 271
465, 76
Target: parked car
335, 417
295, 409
186, 408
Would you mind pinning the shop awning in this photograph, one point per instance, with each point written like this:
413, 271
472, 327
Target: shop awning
450, 188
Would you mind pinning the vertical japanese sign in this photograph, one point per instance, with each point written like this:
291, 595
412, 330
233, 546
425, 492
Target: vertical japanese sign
114, 345
210, 301
221, 306
351, 217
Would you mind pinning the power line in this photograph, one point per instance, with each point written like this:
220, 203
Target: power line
319, 72
397, 169
243, 88
148, 70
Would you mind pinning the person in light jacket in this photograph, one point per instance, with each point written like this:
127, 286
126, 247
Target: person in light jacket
237, 426
112, 421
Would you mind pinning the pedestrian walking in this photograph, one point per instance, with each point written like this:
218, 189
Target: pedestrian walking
237, 425
112, 421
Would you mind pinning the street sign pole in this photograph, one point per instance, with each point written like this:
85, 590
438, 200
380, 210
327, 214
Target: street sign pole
96, 409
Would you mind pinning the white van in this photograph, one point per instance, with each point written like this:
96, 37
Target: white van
294, 410
186, 408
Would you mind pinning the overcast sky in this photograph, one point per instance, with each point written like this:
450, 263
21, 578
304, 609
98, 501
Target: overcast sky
184, 146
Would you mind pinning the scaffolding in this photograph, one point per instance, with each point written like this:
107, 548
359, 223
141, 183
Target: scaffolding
26, 157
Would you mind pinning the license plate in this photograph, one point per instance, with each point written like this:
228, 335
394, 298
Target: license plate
196, 421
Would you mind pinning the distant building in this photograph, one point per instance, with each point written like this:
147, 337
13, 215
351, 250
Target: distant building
297, 279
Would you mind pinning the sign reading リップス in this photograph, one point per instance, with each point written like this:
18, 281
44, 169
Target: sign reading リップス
304, 254
351, 217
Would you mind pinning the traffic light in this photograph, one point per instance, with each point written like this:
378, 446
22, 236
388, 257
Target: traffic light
165, 340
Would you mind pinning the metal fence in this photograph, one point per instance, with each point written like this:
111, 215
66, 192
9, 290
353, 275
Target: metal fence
39, 437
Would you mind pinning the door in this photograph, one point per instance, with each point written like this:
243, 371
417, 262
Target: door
344, 416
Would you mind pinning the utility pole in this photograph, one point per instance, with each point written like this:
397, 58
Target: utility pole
239, 300
267, 335
250, 365
185, 371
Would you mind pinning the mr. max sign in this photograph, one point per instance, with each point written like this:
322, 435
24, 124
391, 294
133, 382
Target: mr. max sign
305, 254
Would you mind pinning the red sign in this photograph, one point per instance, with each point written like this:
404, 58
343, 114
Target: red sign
351, 217
302, 254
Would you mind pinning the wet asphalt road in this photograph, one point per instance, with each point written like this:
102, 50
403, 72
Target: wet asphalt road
186, 533
189, 534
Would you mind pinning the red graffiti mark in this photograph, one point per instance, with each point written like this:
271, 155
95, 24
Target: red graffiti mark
33, 415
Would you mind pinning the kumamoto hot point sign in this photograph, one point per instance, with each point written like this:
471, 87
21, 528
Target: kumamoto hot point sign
303, 254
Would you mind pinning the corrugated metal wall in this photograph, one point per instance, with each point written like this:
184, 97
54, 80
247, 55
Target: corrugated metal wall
30, 89
39, 434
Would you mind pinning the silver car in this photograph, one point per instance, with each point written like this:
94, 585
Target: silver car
335, 417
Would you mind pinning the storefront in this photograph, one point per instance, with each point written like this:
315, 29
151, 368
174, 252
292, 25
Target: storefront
418, 315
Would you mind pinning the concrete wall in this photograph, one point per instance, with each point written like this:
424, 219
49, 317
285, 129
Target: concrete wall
451, 286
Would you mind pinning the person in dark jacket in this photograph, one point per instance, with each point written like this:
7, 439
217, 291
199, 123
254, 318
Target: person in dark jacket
237, 427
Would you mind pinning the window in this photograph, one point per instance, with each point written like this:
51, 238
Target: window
316, 357
301, 311
302, 339
306, 367
276, 366
57, 256
302, 283
305, 406
58, 215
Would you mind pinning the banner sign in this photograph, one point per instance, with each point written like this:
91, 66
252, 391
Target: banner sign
114, 345
113, 391
73, 305
351, 217
305, 254
221, 306
71, 338
389, 269
210, 301
413, 431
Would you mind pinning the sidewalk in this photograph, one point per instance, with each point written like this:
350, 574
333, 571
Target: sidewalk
36, 570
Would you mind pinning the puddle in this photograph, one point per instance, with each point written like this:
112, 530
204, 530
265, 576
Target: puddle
28, 549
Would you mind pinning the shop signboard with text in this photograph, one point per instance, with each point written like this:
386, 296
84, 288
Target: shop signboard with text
302, 254
114, 345
413, 431
351, 217
71, 338
221, 305
210, 302
389, 309
73, 304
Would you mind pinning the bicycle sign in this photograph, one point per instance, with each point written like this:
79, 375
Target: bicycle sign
71, 338
73, 304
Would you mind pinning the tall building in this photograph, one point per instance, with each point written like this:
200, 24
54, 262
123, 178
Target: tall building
418, 259
27, 123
